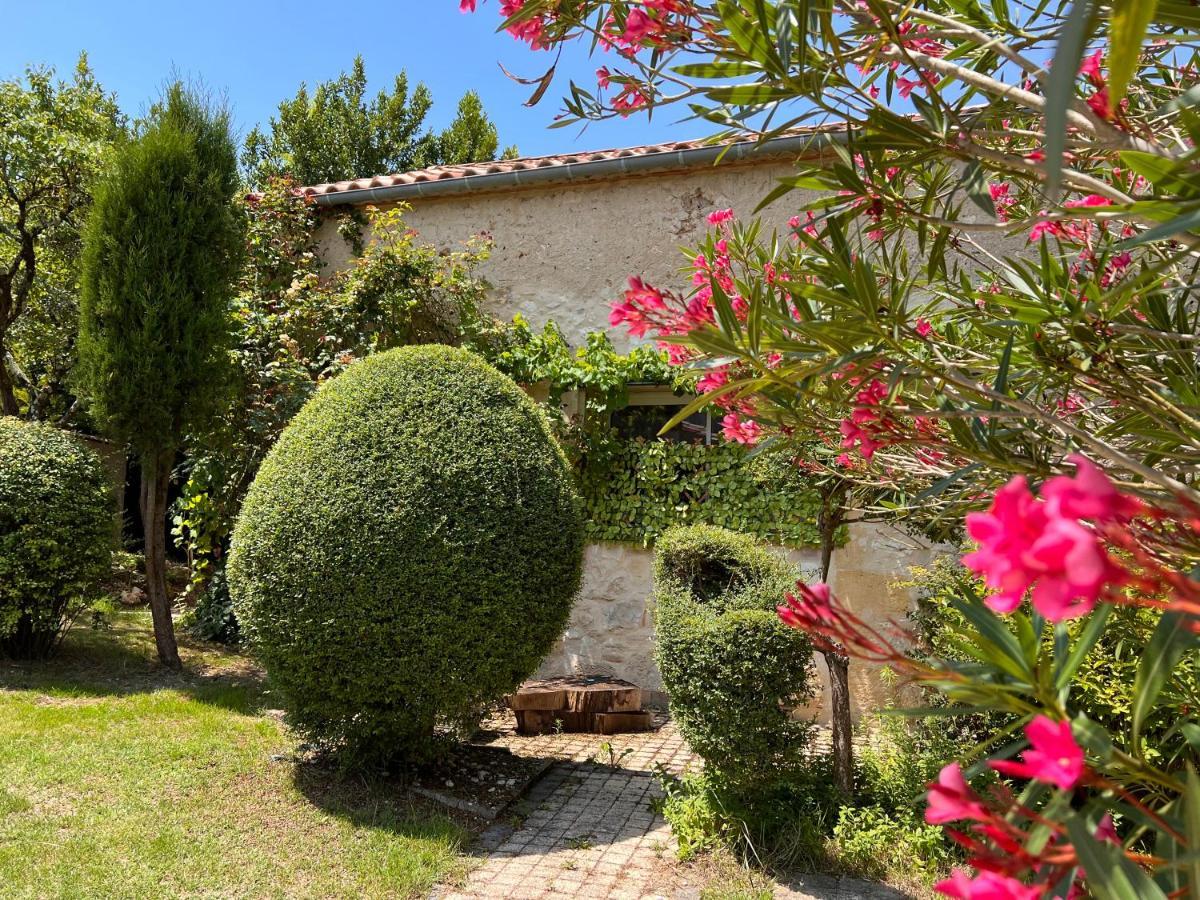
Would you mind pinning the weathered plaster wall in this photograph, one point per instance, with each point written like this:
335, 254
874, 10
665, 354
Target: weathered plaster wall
612, 625
564, 253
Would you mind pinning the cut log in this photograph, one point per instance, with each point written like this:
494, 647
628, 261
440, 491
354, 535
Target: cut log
623, 722
572, 703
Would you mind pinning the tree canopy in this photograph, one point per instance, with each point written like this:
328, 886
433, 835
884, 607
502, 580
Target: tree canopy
54, 136
337, 132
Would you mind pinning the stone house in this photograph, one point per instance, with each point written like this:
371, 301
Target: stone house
568, 230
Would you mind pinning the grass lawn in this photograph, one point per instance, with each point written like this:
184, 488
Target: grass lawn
119, 779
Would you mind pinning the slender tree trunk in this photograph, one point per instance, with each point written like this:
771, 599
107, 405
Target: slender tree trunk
156, 475
833, 513
8, 398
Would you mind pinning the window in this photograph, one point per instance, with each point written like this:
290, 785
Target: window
653, 406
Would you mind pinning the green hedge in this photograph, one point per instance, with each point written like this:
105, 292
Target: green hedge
408, 552
730, 667
635, 491
57, 532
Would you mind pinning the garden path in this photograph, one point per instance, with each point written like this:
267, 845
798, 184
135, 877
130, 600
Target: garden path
587, 828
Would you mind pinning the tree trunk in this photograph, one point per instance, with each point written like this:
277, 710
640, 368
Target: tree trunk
156, 476
8, 398
833, 513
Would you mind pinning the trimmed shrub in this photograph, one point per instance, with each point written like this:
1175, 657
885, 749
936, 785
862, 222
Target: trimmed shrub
408, 552
57, 532
731, 668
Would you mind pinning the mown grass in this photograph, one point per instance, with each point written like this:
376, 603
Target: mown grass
119, 779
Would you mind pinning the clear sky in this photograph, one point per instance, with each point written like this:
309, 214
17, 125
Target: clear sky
259, 51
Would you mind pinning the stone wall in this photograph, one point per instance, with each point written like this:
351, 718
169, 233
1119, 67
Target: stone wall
612, 625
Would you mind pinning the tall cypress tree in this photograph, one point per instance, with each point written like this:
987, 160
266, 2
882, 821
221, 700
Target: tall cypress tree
161, 251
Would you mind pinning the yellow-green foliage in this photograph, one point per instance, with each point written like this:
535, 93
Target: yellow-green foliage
409, 550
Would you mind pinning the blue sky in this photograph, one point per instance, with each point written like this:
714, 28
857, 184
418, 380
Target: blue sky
258, 51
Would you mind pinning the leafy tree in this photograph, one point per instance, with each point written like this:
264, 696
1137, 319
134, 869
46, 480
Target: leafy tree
53, 139
336, 132
162, 249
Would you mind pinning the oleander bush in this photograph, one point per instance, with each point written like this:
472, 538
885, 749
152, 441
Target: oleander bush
57, 531
732, 669
407, 553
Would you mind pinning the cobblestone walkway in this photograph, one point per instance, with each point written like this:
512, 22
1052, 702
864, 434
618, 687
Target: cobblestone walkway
586, 829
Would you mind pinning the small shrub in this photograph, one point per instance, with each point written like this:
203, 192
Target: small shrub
56, 535
874, 843
213, 619
785, 824
733, 671
408, 552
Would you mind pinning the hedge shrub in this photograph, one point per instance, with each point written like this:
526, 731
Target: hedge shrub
408, 552
57, 532
730, 667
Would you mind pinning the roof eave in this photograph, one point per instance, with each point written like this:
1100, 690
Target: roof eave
587, 170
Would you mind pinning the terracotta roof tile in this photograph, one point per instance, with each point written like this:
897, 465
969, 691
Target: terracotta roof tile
470, 170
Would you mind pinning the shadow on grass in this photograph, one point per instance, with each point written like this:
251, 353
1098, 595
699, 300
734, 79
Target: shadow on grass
121, 661
378, 802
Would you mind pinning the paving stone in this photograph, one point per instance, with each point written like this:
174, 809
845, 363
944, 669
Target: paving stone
589, 831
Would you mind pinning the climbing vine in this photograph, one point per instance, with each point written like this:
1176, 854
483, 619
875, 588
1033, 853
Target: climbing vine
634, 490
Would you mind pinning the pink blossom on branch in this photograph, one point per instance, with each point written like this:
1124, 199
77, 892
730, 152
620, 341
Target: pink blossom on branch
1053, 758
987, 886
950, 799
1026, 543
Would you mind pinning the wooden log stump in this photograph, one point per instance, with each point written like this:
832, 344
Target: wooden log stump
573, 703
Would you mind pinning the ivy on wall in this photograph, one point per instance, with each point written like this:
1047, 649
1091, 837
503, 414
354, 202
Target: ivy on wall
635, 490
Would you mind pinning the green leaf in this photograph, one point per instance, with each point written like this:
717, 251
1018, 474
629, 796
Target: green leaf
1060, 91
976, 184
1171, 638
1083, 645
1111, 876
1127, 24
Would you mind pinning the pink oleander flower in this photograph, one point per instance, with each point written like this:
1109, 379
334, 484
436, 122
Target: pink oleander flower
1100, 104
1089, 200
986, 886
720, 216
1053, 758
812, 607
741, 431
1028, 544
906, 85
466, 6
713, 380
1090, 68
644, 294
1088, 494
950, 799
1002, 199
924, 328
603, 77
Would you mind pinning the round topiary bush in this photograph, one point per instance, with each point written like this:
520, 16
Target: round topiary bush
408, 552
732, 670
57, 531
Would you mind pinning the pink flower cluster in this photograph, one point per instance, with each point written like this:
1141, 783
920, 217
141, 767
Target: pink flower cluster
1040, 545
870, 425
832, 627
997, 847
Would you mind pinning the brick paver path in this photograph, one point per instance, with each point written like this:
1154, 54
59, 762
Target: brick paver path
588, 829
